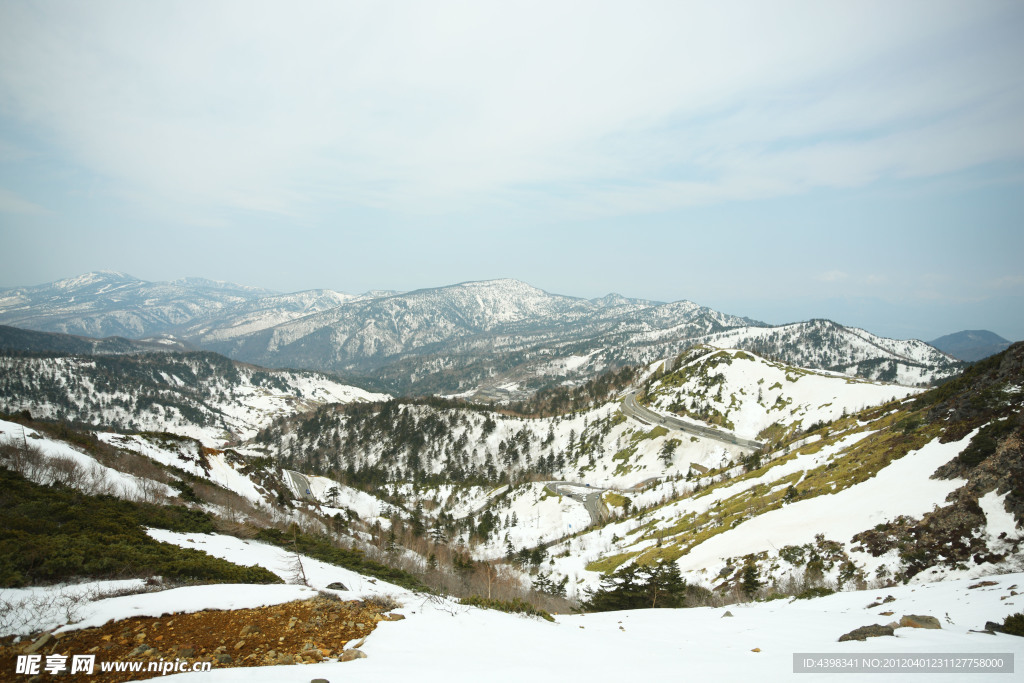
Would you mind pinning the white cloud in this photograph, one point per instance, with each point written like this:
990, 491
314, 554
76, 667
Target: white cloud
833, 276
269, 107
12, 203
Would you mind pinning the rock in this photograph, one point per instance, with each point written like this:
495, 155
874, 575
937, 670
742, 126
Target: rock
756, 649
983, 584
319, 680
359, 643
285, 659
727, 614
223, 658
920, 621
187, 652
395, 616
885, 614
349, 655
239, 645
42, 642
337, 586
248, 631
865, 632
140, 650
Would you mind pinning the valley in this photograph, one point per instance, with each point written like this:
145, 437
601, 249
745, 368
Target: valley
701, 457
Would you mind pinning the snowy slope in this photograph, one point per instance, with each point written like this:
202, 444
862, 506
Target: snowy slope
199, 395
746, 393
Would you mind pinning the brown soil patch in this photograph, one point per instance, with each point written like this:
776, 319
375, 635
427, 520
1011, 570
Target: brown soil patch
300, 632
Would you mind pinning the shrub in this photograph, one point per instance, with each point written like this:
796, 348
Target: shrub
514, 606
816, 592
1014, 624
50, 534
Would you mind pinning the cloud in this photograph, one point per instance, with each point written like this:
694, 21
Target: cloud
585, 106
833, 276
12, 203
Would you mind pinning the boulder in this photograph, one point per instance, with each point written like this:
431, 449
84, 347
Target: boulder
865, 632
919, 621
42, 642
349, 655
337, 586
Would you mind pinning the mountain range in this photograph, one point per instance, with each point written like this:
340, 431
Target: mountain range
495, 339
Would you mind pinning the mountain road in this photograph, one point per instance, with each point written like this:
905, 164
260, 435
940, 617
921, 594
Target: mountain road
633, 409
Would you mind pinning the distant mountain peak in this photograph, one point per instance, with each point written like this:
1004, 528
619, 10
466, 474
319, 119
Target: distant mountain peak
971, 345
94, 278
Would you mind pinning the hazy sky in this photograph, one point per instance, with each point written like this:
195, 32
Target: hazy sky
861, 161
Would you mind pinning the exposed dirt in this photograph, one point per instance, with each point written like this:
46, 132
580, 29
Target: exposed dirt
299, 632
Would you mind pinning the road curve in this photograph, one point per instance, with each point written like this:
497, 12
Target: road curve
591, 501
633, 409
301, 484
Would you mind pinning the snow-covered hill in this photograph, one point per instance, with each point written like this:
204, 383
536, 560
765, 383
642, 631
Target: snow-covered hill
919, 489
827, 345
200, 394
756, 398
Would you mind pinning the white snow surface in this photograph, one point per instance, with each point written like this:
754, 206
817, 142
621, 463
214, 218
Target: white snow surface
843, 514
279, 561
441, 641
189, 599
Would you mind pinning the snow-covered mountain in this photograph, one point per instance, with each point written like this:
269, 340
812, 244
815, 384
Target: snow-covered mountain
495, 339
105, 303
830, 346
475, 336
201, 395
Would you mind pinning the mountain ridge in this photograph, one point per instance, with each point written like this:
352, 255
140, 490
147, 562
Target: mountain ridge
499, 339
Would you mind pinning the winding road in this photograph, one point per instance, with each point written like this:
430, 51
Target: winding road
301, 484
633, 409
591, 500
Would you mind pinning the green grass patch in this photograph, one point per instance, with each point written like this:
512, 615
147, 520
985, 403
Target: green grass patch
615, 499
606, 565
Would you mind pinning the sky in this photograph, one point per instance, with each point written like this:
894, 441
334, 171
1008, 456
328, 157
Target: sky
858, 161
